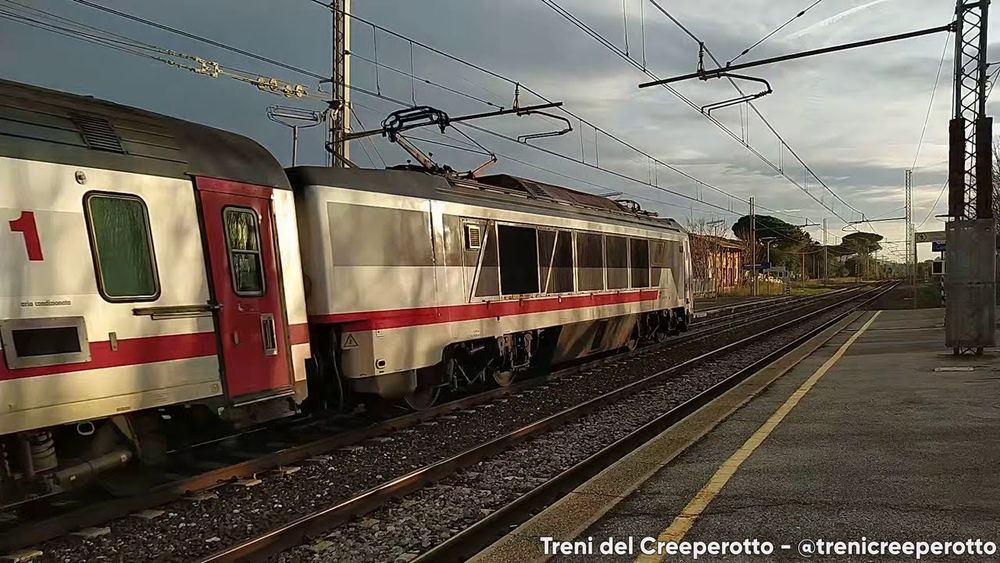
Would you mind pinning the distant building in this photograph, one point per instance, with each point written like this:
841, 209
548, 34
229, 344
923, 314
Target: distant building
717, 263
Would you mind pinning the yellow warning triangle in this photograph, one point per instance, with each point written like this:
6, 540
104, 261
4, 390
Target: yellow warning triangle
350, 342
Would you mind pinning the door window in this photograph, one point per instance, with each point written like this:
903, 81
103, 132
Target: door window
243, 245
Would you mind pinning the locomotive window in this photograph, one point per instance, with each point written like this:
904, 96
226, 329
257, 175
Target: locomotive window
590, 261
546, 248
676, 257
639, 262
122, 247
561, 278
489, 278
658, 260
617, 250
243, 243
518, 260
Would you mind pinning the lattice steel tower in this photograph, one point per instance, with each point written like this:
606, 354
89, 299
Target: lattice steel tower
970, 255
971, 130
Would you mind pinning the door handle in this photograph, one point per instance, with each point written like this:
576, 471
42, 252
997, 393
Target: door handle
268, 335
176, 311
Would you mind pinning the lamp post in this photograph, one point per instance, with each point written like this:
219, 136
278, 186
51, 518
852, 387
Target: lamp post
767, 244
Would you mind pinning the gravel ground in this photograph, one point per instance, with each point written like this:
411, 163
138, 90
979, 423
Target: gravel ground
189, 529
403, 529
899, 297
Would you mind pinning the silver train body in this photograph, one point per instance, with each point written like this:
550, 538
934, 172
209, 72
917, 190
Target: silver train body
410, 276
155, 269
149, 270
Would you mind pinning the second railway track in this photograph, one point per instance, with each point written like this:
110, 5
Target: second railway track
353, 461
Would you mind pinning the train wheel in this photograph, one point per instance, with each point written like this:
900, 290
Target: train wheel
422, 398
632, 343
503, 377
124, 481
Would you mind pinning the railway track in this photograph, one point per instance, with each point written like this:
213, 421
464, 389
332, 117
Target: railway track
379, 438
462, 475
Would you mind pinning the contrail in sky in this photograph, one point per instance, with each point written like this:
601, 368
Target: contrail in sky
834, 18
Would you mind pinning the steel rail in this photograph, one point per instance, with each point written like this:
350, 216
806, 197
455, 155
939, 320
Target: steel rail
296, 532
92, 514
477, 537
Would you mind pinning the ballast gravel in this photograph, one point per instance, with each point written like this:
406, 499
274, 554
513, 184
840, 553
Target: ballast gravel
191, 529
403, 529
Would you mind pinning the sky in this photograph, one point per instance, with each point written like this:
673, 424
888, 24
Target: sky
856, 118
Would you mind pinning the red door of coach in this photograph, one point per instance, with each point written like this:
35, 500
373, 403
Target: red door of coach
239, 237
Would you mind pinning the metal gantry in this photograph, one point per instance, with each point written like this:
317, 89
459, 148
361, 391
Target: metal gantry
971, 130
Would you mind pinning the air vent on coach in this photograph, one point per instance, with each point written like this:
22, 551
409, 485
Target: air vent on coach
44, 341
473, 237
98, 132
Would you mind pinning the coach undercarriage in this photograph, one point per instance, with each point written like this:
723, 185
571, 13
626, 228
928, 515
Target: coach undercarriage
493, 361
52, 460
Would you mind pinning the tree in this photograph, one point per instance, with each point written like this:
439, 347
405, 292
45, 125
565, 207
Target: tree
996, 181
860, 247
788, 237
861, 243
789, 240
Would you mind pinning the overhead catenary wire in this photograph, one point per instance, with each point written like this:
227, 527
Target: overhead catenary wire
764, 120
930, 104
774, 31
200, 38
465, 146
411, 74
70, 33
598, 37
131, 46
377, 94
494, 74
930, 211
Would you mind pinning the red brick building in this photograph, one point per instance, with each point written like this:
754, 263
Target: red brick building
717, 263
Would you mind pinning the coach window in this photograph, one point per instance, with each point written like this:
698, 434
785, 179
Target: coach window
657, 260
617, 251
518, 260
590, 261
243, 245
122, 247
639, 261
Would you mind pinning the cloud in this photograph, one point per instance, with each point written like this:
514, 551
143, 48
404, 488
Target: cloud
835, 18
854, 117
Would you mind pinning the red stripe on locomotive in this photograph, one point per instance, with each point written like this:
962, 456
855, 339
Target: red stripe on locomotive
401, 318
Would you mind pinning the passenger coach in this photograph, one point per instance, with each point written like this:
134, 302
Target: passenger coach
149, 269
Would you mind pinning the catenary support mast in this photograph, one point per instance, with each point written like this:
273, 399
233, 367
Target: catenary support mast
970, 255
339, 118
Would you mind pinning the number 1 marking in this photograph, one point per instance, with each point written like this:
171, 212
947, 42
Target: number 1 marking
25, 224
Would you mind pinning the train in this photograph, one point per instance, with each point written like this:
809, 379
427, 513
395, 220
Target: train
156, 272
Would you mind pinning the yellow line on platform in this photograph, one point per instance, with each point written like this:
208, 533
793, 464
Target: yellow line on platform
683, 522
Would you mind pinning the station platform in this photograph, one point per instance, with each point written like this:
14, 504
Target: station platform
871, 432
